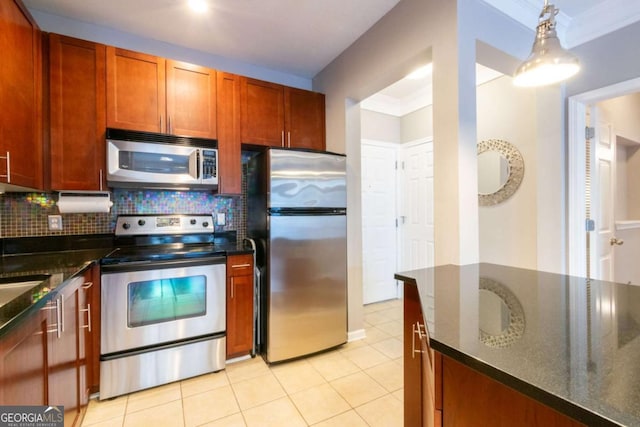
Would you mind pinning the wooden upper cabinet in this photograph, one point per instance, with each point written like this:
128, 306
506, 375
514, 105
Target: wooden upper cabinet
148, 93
280, 116
77, 71
191, 100
136, 98
20, 97
262, 112
304, 119
229, 149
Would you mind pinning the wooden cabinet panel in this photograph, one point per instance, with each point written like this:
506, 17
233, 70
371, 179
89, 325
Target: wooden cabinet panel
412, 364
493, 403
93, 339
23, 364
304, 119
77, 71
191, 100
136, 96
239, 305
62, 352
20, 97
228, 121
262, 112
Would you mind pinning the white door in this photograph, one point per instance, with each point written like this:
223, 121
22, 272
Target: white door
603, 197
416, 210
378, 221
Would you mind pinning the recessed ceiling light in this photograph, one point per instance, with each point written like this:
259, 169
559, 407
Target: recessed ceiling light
421, 72
199, 6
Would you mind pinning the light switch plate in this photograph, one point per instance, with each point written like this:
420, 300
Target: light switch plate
55, 222
221, 219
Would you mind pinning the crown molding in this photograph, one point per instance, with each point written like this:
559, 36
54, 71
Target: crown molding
604, 18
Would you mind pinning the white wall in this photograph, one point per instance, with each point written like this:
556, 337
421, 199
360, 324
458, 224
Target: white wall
380, 127
508, 230
82, 30
418, 124
624, 114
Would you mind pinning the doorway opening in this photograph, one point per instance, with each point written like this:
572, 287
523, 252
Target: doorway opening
603, 159
397, 185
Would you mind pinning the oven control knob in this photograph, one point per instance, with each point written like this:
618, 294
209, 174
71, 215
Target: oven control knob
205, 224
126, 226
193, 222
141, 222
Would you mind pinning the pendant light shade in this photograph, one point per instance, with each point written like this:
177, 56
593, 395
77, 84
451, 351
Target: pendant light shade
548, 63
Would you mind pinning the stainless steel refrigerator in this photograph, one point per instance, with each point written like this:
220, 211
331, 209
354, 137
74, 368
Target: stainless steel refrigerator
296, 214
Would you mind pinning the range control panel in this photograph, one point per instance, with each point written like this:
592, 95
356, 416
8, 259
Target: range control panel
132, 225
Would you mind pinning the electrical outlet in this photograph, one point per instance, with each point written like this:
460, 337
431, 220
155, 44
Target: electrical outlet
55, 222
221, 219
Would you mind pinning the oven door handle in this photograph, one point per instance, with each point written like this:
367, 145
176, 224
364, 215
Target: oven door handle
162, 264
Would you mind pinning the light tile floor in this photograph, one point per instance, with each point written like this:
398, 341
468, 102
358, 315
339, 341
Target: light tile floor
358, 384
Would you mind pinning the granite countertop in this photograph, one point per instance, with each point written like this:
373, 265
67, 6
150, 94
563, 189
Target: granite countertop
53, 261
52, 270
568, 342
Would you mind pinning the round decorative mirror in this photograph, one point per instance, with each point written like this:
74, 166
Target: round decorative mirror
501, 314
500, 171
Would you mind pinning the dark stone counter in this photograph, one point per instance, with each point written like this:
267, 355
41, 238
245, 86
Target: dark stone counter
568, 342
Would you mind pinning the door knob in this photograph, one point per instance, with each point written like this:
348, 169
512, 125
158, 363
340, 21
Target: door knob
616, 241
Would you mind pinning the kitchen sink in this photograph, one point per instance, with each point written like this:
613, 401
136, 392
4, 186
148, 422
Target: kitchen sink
13, 287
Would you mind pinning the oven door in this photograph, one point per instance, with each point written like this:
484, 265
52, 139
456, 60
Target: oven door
161, 302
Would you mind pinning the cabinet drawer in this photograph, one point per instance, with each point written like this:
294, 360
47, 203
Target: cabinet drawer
239, 265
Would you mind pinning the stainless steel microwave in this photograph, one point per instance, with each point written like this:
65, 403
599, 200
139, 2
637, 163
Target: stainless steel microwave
149, 160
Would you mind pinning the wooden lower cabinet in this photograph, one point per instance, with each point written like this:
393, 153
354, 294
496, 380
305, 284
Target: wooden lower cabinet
44, 360
239, 305
23, 364
440, 391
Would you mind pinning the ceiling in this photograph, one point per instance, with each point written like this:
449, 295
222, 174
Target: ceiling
301, 37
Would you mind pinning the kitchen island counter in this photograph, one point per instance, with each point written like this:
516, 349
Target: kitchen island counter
569, 343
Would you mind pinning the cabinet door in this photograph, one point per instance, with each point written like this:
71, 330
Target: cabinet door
239, 305
229, 148
191, 100
136, 92
77, 74
262, 113
85, 332
304, 119
412, 360
23, 365
62, 353
20, 97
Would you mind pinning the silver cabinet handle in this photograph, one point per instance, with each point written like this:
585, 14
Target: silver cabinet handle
241, 265
87, 285
416, 330
8, 175
100, 178
289, 139
88, 311
169, 130
282, 139
232, 286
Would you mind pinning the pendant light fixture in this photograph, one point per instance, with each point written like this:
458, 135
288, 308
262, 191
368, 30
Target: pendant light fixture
548, 63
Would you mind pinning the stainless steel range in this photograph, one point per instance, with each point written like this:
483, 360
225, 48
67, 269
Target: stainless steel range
163, 303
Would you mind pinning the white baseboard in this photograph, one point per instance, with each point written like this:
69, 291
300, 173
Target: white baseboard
356, 335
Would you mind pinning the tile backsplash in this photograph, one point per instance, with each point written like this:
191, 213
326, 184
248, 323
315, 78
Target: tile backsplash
26, 214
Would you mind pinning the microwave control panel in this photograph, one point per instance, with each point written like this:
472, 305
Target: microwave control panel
209, 166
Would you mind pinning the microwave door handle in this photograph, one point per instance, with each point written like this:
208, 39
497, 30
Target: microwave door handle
194, 163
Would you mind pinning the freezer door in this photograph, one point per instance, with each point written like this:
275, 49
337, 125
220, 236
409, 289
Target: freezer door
307, 287
302, 179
